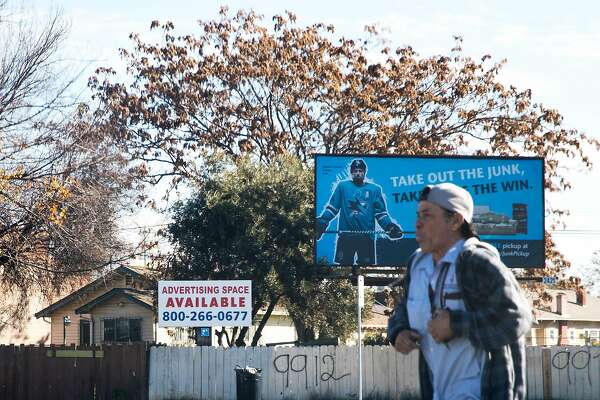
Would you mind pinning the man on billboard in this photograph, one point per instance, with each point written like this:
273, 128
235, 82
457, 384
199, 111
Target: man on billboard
359, 204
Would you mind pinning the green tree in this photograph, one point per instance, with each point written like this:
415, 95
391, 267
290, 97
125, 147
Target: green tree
250, 221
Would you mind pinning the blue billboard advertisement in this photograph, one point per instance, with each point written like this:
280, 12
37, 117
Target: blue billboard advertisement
369, 220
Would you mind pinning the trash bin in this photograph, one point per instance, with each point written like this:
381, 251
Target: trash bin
247, 383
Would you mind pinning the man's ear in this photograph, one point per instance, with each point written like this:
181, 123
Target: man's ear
457, 221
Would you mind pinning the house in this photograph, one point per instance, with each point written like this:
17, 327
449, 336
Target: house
573, 318
120, 307
117, 307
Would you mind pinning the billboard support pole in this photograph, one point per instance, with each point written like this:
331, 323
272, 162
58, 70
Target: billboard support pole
361, 304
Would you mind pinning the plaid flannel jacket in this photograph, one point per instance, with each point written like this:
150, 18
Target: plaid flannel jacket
496, 319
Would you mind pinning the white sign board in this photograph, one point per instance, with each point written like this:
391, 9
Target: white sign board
204, 303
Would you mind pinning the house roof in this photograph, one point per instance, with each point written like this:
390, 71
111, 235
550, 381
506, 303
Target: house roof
574, 311
78, 294
141, 297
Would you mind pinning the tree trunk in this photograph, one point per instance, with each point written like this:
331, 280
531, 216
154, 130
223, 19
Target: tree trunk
220, 334
304, 332
240, 342
264, 320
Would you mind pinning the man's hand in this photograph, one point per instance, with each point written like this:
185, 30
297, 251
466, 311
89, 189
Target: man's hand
439, 326
320, 227
406, 341
394, 231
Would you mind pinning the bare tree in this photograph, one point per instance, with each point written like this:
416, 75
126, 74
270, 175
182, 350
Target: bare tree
61, 181
243, 86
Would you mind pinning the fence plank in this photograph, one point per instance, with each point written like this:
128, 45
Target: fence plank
587, 377
539, 377
390, 374
160, 368
198, 373
298, 371
579, 359
412, 367
534, 373
186, 372
265, 364
169, 372
297, 387
214, 373
558, 364
529, 381
594, 374
204, 367
380, 370
153, 379
348, 370
569, 373
322, 369
221, 372
308, 379
284, 360
228, 375
329, 367
367, 371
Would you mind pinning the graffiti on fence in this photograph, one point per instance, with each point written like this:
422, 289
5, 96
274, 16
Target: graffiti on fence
580, 359
299, 364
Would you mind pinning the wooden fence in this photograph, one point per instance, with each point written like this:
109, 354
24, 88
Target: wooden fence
329, 372
287, 373
556, 373
57, 373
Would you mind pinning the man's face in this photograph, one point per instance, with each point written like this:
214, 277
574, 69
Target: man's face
358, 175
435, 231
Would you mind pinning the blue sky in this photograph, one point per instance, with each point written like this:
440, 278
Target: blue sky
551, 47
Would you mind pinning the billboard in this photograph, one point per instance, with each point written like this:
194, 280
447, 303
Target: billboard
360, 224
205, 303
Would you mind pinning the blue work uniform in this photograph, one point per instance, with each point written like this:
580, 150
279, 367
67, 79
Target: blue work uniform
358, 207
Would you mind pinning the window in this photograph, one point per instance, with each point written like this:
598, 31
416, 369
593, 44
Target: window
122, 330
128, 280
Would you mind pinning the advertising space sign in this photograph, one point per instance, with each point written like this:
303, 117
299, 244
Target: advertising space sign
358, 222
205, 303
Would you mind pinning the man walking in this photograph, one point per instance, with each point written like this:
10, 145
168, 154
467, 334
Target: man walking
461, 308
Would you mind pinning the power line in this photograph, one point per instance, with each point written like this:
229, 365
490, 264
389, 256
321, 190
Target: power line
556, 231
127, 228
576, 232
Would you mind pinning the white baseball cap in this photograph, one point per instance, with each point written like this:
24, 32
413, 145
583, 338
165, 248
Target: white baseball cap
450, 197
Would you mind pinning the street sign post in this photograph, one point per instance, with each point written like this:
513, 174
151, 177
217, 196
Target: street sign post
549, 280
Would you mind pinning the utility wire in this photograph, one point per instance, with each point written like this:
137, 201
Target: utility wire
593, 232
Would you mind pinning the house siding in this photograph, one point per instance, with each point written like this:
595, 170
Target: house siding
66, 334
546, 333
59, 332
34, 330
122, 307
